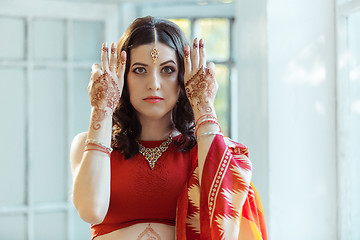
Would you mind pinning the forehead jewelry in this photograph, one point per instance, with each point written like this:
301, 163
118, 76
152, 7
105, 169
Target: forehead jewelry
154, 52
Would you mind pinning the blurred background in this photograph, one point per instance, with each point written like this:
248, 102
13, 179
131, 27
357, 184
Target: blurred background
289, 76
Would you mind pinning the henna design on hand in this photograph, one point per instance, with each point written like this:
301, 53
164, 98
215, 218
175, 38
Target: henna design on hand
187, 55
149, 234
113, 50
105, 49
201, 89
104, 94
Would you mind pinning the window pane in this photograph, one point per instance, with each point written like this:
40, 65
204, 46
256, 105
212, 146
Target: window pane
12, 141
49, 40
216, 33
222, 97
185, 25
87, 38
81, 228
354, 127
50, 226
343, 1
12, 40
47, 145
79, 102
13, 227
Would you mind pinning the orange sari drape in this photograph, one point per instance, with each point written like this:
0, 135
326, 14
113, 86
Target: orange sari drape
227, 205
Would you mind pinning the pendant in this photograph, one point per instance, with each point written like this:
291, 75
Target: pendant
153, 154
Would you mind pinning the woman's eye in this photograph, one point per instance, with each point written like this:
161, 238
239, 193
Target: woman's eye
168, 70
139, 70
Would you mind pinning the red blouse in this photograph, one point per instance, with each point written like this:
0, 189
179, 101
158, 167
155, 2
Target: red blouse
139, 194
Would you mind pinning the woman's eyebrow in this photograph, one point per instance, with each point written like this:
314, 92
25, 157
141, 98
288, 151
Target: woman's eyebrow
169, 61
141, 64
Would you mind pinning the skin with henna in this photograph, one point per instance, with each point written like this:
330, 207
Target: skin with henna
91, 169
201, 88
104, 88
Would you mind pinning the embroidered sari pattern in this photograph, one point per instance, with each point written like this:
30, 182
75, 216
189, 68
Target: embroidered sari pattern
226, 206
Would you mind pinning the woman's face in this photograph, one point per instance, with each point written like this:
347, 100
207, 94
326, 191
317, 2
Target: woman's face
153, 87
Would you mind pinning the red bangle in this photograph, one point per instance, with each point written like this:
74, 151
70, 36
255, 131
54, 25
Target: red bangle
99, 146
107, 153
205, 115
207, 121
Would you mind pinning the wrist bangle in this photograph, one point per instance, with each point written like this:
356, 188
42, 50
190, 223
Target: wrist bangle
208, 116
208, 133
94, 149
99, 144
206, 120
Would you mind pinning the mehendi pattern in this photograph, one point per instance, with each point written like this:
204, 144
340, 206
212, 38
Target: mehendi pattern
105, 94
200, 89
149, 234
113, 50
105, 49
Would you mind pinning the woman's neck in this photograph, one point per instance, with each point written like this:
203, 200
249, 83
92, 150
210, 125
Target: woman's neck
155, 129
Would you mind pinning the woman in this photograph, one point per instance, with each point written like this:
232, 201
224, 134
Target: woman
171, 174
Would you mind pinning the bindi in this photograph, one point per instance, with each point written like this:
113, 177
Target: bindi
149, 234
154, 52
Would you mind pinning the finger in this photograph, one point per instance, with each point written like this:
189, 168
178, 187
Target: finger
122, 66
195, 54
211, 67
95, 68
202, 53
105, 57
187, 61
113, 58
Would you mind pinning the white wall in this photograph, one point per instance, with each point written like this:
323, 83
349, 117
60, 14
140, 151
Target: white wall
302, 126
298, 132
252, 119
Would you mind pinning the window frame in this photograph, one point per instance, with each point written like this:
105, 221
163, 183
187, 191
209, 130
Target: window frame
344, 9
68, 13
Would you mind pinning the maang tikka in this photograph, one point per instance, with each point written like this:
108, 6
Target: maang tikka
154, 52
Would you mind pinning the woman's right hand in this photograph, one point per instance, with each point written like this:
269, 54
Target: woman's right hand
106, 83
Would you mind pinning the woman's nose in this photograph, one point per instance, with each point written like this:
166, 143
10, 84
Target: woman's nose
154, 82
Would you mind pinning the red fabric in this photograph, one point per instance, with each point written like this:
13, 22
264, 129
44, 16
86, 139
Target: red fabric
226, 206
215, 210
139, 194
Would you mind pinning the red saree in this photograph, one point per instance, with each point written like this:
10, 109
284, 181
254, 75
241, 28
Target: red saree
226, 206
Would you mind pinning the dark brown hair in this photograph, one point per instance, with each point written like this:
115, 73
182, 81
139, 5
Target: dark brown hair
126, 125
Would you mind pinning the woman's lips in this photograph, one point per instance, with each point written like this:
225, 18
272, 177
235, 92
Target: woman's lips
153, 99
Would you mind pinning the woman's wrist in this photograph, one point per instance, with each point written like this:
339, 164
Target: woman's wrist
198, 114
100, 118
206, 123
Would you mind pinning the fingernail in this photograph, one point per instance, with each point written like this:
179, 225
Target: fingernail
201, 43
187, 52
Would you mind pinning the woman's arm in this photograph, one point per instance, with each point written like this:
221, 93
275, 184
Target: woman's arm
90, 160
201, 88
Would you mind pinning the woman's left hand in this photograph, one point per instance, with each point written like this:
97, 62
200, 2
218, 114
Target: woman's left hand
199, 80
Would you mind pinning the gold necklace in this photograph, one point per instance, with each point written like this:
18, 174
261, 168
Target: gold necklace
153, 154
